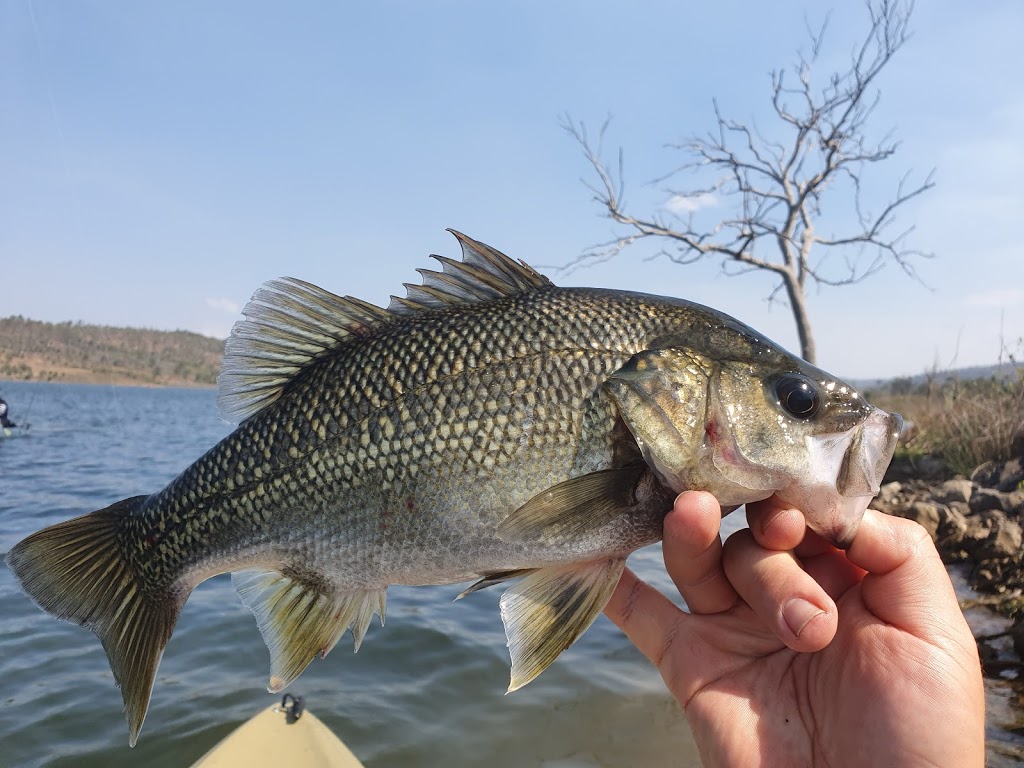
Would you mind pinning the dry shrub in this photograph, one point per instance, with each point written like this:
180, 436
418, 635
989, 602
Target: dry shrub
964, 423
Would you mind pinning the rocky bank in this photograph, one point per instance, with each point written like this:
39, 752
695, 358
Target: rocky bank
978, 521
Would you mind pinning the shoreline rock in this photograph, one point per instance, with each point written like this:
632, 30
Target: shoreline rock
977, 522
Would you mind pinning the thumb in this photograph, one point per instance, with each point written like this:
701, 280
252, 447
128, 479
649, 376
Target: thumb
906, 585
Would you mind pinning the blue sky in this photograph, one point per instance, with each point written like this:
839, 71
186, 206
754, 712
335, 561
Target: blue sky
159, 161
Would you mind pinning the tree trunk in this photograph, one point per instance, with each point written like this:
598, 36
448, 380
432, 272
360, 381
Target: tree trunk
797, 303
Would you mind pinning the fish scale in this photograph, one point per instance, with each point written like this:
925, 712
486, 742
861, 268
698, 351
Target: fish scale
361, 410
489, 426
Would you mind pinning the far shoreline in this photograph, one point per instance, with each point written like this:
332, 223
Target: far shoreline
117, 381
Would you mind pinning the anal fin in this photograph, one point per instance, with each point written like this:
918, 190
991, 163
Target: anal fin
300, 619
549, 609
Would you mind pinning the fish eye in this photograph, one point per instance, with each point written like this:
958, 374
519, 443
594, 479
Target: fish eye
798, 396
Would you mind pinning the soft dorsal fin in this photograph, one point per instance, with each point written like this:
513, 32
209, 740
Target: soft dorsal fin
483, 274
290, 323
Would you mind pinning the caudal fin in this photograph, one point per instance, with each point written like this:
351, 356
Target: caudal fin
77, 571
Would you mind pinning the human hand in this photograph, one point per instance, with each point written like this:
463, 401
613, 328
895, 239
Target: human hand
796, 653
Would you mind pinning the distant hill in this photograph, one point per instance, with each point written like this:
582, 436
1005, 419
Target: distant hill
72, 352
939, 378
94, 354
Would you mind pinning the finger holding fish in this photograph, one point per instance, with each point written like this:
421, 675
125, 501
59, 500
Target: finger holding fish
786, 597
776, 525
693, 553
758, 569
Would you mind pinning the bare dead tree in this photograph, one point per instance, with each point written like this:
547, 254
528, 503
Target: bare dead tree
778, 187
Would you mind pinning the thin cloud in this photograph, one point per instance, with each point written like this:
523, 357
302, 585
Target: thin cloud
683, 204
1006, 297
227, 306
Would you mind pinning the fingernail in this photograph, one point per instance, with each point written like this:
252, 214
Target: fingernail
798, 612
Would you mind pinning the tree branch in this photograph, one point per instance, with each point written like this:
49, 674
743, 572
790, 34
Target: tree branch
779, 188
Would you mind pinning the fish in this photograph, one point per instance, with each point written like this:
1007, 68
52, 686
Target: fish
487, 427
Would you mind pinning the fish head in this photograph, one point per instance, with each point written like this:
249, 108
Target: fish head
746, 420
810, 437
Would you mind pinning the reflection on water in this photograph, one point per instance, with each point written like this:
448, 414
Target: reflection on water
428, 688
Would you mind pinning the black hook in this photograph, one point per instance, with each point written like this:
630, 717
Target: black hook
293, 707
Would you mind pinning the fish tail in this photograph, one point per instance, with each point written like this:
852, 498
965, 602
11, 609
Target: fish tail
77, 571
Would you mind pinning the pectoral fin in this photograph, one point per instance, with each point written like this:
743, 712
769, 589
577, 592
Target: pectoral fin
299, 619
566, 511
545, 612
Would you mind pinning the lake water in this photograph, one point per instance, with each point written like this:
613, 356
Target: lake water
427, 689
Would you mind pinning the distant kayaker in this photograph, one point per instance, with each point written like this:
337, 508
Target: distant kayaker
4, 421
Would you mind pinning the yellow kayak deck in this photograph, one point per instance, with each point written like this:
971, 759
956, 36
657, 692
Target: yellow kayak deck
269, 739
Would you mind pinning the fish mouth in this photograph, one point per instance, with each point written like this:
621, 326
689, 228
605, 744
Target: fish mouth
856, 463
861, 471
868, 454
851, 512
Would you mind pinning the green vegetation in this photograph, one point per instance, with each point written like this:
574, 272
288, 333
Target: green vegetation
34, 351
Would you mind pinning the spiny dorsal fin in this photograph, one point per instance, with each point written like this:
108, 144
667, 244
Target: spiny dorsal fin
483, 274
290, 323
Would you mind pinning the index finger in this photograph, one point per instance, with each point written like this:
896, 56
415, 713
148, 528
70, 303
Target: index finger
692, 549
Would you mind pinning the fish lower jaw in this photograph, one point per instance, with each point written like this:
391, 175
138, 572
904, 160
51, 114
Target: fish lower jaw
828, 513
707, 475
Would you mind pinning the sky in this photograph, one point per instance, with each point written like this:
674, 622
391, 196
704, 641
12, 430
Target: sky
159, 161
